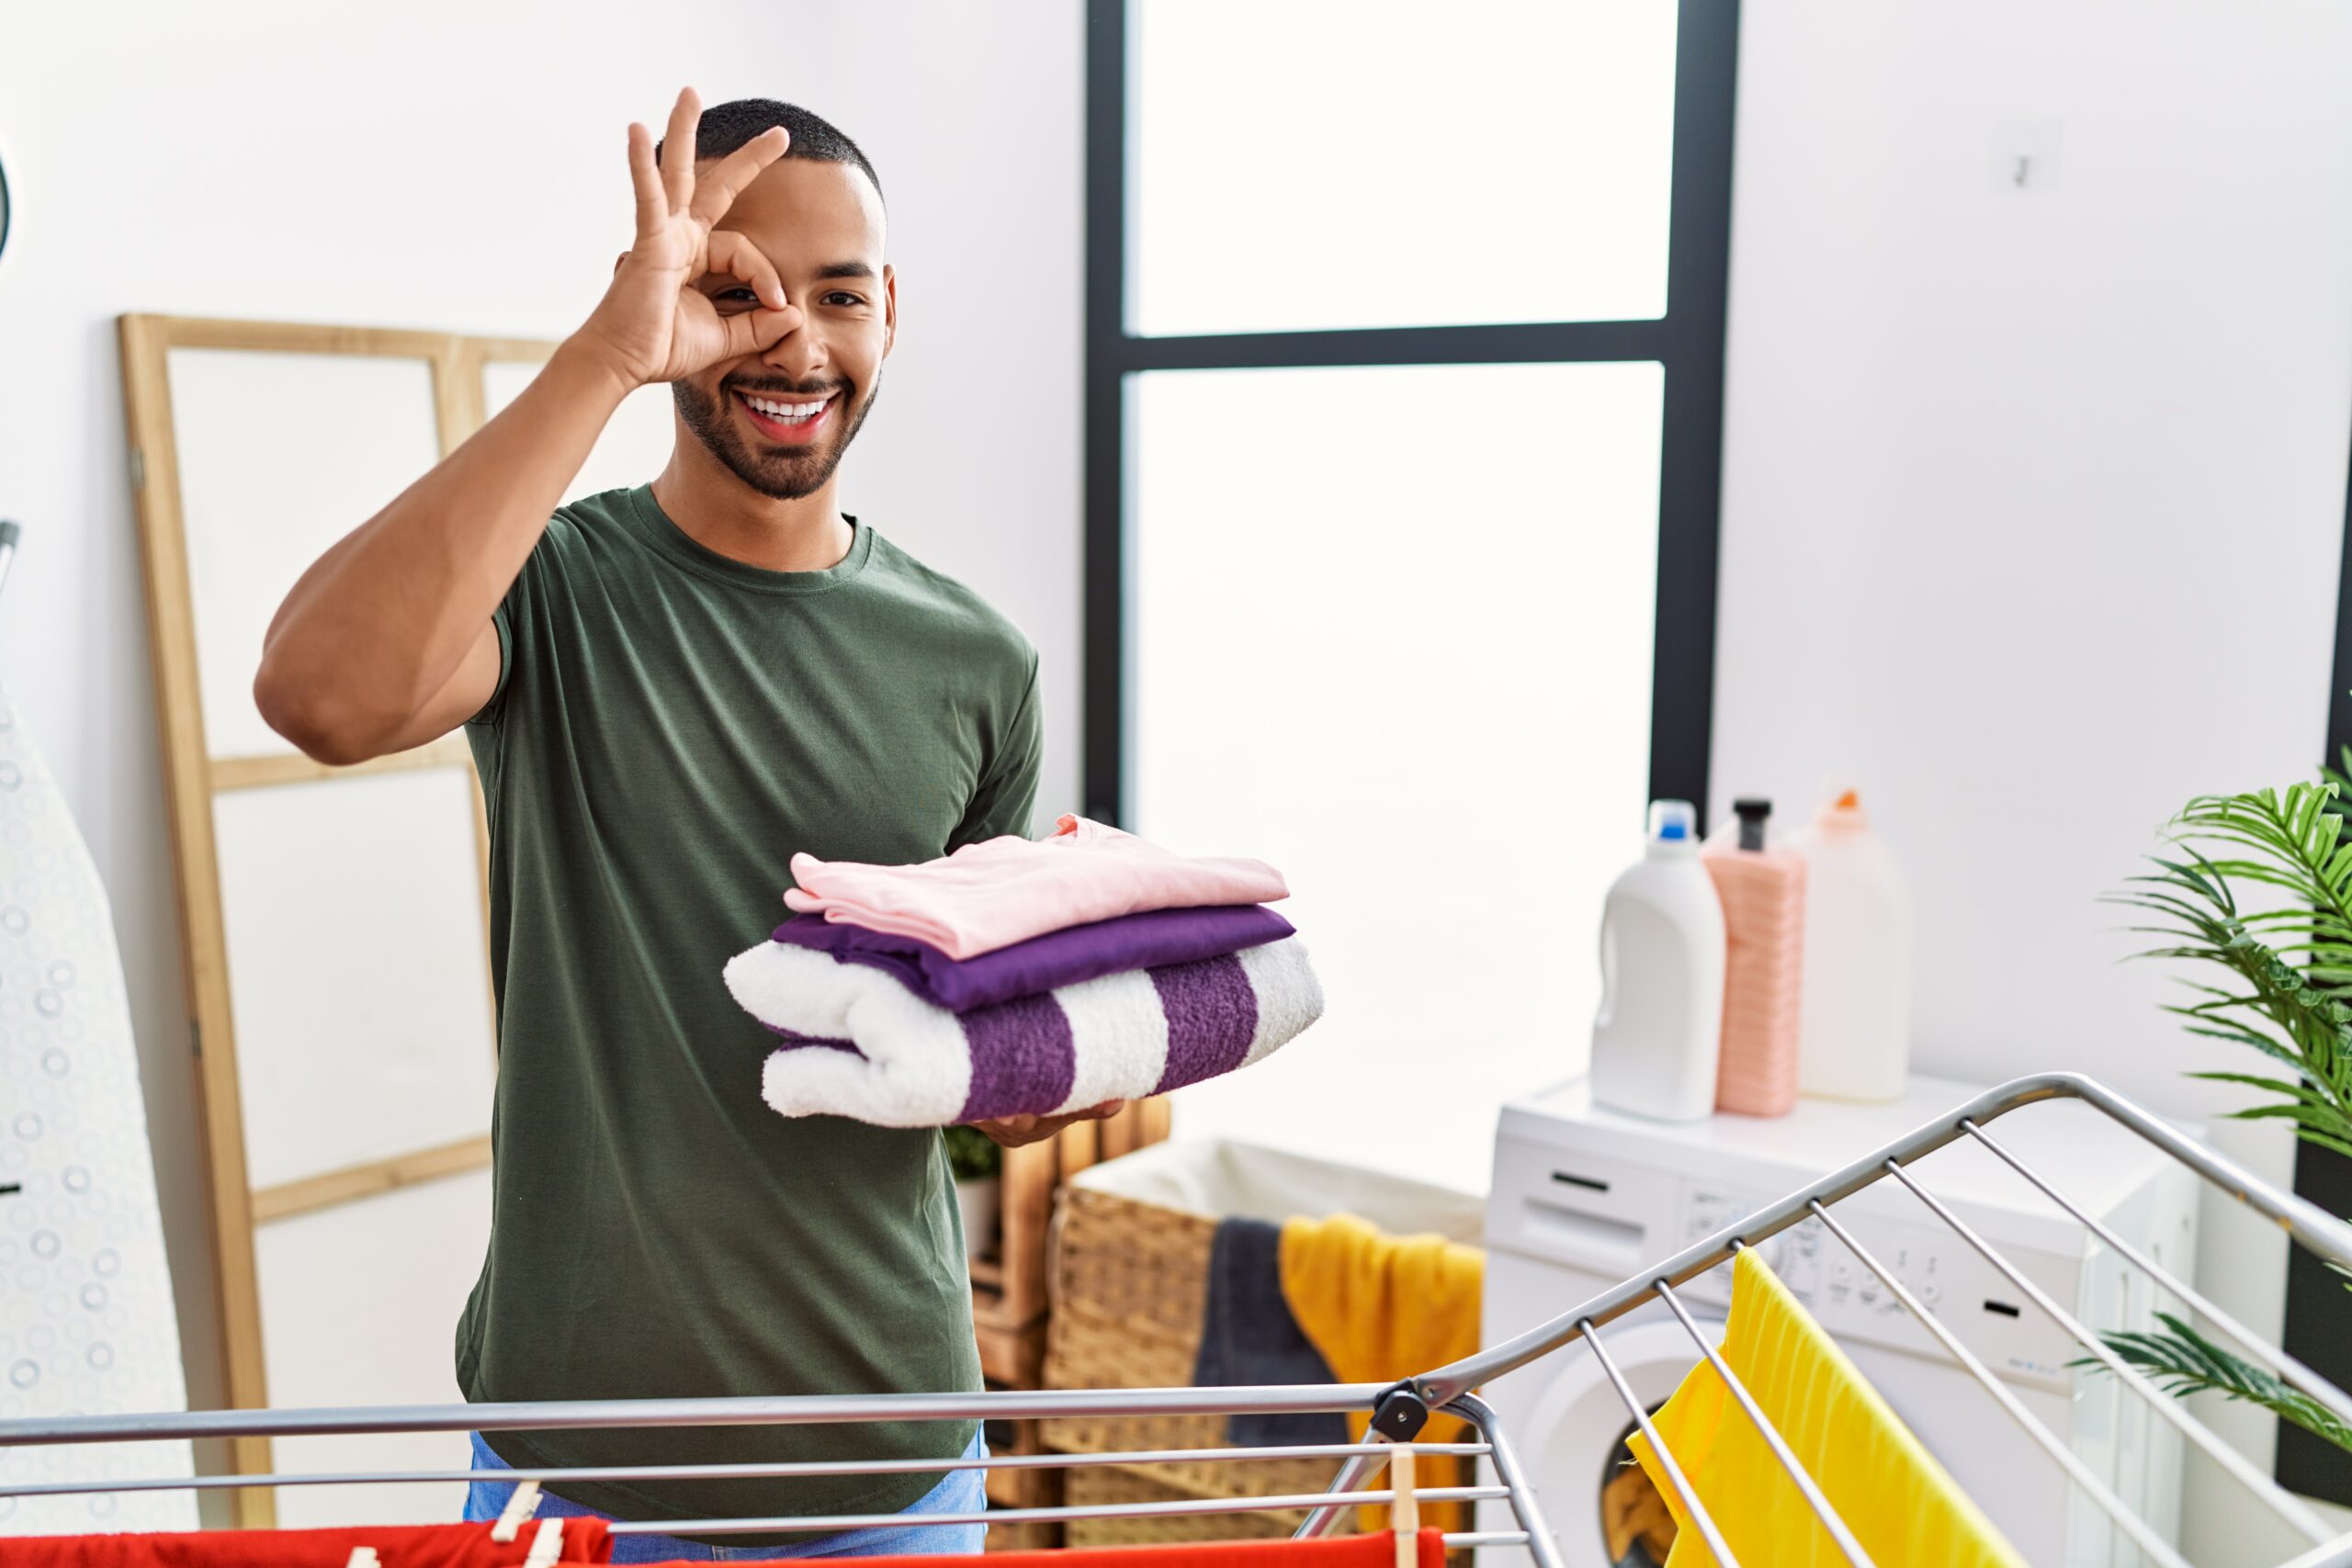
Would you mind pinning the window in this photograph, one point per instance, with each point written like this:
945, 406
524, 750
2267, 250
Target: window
1404, 385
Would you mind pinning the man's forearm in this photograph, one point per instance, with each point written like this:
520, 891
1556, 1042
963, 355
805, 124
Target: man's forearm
379, 624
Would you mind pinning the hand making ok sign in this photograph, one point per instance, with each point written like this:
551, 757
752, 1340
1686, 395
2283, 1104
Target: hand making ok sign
653, 324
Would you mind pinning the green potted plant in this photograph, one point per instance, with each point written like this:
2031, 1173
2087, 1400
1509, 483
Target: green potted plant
2259, 892
977, 1165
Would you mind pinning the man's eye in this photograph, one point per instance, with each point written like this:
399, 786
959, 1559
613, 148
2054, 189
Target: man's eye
841, 297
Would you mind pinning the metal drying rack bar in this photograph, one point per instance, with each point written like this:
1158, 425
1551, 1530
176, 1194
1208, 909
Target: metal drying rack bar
2307, 1224
1398, 1412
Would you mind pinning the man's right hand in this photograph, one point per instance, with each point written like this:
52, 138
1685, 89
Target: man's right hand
653, 324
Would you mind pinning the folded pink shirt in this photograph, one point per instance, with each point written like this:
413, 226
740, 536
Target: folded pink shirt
1005, 890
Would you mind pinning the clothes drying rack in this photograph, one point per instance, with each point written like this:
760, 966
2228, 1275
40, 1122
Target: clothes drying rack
1397, 1411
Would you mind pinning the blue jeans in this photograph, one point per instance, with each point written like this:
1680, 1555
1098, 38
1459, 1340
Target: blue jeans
958, 1492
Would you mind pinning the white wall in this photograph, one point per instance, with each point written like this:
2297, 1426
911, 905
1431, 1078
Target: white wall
2034, 498
459, 165
2033, 501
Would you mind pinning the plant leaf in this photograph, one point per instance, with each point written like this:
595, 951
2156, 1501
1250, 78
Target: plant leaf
2181, 1360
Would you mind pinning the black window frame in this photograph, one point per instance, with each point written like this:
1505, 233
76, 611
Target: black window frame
1688, 342
2313, 1331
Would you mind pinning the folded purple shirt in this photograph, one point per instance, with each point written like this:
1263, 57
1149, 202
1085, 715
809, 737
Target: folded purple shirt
1041, 964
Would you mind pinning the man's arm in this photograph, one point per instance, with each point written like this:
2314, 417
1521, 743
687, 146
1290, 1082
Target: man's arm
386, 641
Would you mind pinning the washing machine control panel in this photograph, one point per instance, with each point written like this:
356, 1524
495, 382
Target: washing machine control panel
1981, 1307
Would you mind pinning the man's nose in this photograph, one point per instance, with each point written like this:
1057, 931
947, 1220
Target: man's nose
799, 352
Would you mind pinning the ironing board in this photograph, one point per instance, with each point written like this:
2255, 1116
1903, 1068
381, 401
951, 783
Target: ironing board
81, 1236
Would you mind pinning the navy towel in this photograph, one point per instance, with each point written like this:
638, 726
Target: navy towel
1249, 1337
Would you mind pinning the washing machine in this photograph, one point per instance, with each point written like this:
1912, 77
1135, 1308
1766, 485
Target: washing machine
1583, 1198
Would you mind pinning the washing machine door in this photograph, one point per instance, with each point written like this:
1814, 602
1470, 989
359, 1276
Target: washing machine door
1570, 1430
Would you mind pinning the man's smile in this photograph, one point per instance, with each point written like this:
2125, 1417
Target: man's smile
788, 421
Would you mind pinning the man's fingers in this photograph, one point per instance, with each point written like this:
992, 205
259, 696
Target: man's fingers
678, 149
717, 189
652, 207
1008, 1131
736, 256
1014, 1131
756, 332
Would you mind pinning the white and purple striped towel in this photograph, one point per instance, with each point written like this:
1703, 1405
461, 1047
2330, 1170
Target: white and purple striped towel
858, 1043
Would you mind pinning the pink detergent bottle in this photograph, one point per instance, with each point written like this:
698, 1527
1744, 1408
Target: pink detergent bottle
1763, 890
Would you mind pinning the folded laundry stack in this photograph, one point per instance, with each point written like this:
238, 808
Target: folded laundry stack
1022, 976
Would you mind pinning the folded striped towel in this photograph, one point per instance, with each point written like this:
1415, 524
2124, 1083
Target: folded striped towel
856, 1042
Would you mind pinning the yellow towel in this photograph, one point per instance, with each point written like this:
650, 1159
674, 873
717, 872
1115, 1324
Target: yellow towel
1890, 1491
1380, 1308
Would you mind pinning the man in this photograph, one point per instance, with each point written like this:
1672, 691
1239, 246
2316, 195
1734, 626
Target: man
668, 691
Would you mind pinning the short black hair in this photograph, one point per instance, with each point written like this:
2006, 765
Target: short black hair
725, 127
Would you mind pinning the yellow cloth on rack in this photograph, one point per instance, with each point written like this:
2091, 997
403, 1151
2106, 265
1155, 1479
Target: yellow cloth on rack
1901, 1506
1382, 1308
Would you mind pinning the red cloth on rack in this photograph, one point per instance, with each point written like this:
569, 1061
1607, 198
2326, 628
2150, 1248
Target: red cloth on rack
397, 1546
1377, 1551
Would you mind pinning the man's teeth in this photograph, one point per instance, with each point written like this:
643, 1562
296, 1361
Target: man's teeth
787, 414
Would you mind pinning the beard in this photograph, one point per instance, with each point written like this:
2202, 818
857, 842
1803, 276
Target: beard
784, 473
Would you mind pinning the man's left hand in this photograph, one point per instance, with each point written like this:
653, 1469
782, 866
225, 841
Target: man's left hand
1011, 1132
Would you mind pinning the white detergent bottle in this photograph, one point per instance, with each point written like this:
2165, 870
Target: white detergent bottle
1856, 1030
1659, 1032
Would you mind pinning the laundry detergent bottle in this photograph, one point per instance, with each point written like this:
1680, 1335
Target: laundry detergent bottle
1856, 1032
1659, 1032
1762, 886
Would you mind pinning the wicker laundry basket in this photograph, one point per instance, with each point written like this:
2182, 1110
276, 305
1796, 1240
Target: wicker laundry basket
1130, 1282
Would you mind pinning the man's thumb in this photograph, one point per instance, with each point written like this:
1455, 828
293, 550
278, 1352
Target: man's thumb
771, 327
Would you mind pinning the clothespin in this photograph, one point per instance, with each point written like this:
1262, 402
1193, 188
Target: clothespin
364, 1557
547, 1547
520, 1506
1405, 1510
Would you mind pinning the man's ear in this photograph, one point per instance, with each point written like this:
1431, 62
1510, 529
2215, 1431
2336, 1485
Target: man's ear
890, 308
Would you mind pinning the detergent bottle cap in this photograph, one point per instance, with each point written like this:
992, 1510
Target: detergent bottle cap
1841, 805
1753, 811
1674, 826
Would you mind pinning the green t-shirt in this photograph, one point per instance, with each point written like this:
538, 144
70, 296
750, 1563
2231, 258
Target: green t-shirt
669, 727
